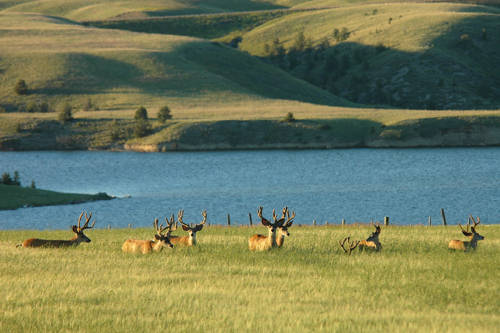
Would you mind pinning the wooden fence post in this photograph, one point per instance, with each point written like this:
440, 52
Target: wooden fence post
430, 222
343, 221
386, 220
228, 220
443, 216
250, 218
314, 222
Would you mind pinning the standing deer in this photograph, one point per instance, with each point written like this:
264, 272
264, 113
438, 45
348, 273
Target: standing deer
372, 242
189, 240
147, 246
260, 242
473, 238
283, 229
76, 240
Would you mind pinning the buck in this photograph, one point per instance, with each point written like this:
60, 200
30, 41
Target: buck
162, 239
76, 240
189, 240
283, 229
474, 237
260, 242
351, 245
372, 242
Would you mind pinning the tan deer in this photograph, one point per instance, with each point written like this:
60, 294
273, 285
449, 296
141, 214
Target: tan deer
189, 240
76, 240
162, 239
260, 242
351, 245
372, 243
283, 229
474, 237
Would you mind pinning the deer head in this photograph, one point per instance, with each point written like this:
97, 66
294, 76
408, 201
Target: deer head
288, 223
188, 228
79, 235
474, 236
374, 236
163, 233
351, 245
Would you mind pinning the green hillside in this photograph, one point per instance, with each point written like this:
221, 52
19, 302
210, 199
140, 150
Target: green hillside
63, 62
426, 56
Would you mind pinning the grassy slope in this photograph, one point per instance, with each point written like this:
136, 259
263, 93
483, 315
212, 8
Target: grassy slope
119, 70
13, 197
414, 284
424, 63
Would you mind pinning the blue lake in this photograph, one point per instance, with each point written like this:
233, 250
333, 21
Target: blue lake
359, 185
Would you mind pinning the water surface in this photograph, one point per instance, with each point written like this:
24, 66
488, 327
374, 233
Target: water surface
408, 185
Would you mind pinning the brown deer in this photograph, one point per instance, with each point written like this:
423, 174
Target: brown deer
351, 245
260, 242
474, 237
283, 229
371, 243
161, 240
76, 240
189, 240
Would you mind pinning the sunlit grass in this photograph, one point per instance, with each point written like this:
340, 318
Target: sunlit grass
415, 283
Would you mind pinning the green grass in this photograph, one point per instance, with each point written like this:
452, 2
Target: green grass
13, 197
414, 284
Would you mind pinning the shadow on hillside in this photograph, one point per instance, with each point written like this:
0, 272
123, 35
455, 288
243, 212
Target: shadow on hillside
459, 70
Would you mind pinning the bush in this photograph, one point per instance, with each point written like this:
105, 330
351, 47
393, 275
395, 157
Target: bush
8, 180
141, 113
164, 114
21, 88
142, 128
289, 118
66, 114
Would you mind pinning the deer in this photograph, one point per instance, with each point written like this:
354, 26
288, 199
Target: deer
351, 245
283, 229
473, 236
189, 240
162, 239
78, 238
260, 242
371, 243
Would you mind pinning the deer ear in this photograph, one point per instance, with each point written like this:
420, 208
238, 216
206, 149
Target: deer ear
75, 229
265, 222
157, 237
198, 228
467, 233
185, 227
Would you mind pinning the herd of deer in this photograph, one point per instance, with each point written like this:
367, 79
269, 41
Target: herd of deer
277, 231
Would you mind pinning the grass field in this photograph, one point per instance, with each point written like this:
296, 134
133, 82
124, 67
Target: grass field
13, 197
414, 284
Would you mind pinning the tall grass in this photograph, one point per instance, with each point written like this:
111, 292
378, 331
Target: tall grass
414, 284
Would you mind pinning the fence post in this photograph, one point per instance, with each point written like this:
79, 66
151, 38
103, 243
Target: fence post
430, 222
250, 218
314, 222
343, 221
443, 216
228, 220
386, 220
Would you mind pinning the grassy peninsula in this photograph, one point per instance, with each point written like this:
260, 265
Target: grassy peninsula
414, 284
13, 197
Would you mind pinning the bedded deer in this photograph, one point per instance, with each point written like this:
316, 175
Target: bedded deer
474, 237
161, 240
371, 243
260, 242
283, 229
189, 240
76, 240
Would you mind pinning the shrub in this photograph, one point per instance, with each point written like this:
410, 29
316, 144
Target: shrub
141, 113
142, 128
8, 180
164, 114
289, 118
33, 184
66, 114
21, 88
